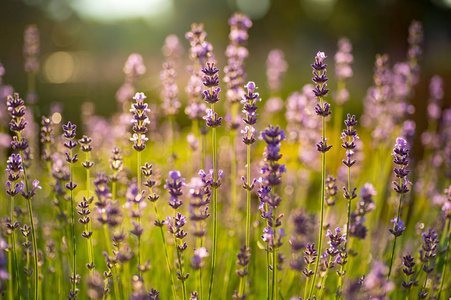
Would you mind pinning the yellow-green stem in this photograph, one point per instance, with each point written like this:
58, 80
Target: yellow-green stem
394, 243
215, 212
165, 250
323, 186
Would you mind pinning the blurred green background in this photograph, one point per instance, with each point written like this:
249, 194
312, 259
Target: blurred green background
96, 37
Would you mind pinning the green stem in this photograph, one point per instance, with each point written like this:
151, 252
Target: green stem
323, 186
13, 234
215, 212
30, 212
174, 295
139, 219
89, 225
394, 243
10, 271
348, 236
74, 245
446, 263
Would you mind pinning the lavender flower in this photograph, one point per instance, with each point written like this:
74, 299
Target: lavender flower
200, 194
400, 154
31, 48
364, 206
343, 58
16, 110
414, 52
276, 66
171, 104
69, 134
139, 121
408, 262
269, 200
176, 224
47, 138
236, 53
398, 227
175, 185
200, 49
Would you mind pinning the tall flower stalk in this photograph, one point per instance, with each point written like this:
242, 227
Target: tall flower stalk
176, 223
16, 109
249, 108
200, 194
269, 201
14, 186
152, 197
139, 121
211, 81
70, 144
322, 109
84, 212
400, 154
349, 136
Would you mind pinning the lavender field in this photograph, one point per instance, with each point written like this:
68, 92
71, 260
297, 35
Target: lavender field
204, 185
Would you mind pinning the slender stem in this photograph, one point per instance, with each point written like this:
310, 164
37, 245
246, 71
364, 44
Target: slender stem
348, 236
323, 186
306, 282
268, 263
165, 251
74, 246
215, 212
35, 250
394, 243
139, 219
323, 280
89, 225
446, 262
248, 202
274, 267
13, 235
10, 271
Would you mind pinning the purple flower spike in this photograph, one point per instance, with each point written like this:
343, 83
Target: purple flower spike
175, 185
398, 227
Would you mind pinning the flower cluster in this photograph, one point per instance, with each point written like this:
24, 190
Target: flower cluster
408, 262
343, 59
414, 52
276, 66
139, 121
334, 250
116, 164
171, 104
211, 95
135, 204
271, 178
70, 143
400, 154
249, 102
31, 48
310, 256
175, 185
200, 194
134, 67
236, 53
46, 138
364, 206
200, 51
16, 109
15, 172
330, 191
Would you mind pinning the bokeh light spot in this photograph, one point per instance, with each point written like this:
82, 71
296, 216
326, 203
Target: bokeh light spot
255, 9
59, 67
56, 118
